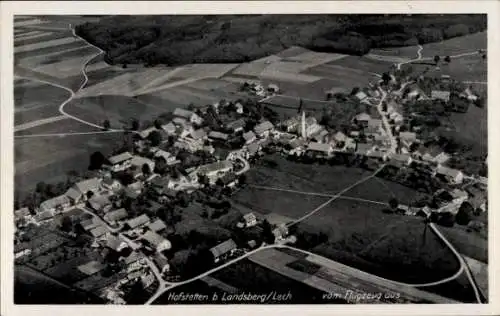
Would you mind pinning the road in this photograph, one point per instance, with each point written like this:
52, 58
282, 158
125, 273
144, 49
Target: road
67, 134
385, 121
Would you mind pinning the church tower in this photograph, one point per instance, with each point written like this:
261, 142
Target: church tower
303, 132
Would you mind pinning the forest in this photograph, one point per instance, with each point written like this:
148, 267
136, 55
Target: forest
183, 39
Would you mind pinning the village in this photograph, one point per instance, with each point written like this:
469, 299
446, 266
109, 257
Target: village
197, 157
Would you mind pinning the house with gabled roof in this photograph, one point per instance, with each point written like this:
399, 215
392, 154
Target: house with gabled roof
440, 95
157, 226
156, 241
119, 162
263, 129
139, 221
56, 203
452, 176
78, 192
362, 119
187, 115
114, 216
320, 148
250, 219
223, 250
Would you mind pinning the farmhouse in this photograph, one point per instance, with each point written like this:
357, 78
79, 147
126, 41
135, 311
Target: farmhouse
198, 134
100, 203
401, 159
156, 241
215, 135
229, 180
188, 116
320, 148
169, 128
254, 148
374, 127
263, 129
138, 221
250, 219
138, 162
440, 95
280, 232
98, 231
44, 215
249, 137
157, 226
78, 192
115, 243
378, 155
361, 95
451, 175
362, 119
223, 250
120, 162
108, 183
57, 203
363, 149
161, 262
237, 125
117, 215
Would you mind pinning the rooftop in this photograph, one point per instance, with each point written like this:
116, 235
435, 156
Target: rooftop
215, 166
116, 215
157, 225
223, 248
183, 113
120, 158
84, 186
263, 127
325, 148
138, 221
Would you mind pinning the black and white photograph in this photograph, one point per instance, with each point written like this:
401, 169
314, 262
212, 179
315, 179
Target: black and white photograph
266, 159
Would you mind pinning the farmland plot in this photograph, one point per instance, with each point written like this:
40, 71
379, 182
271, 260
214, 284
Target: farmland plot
28, 22
37, 102
363, 63
50, 49
457, 45
45, 44
35, 39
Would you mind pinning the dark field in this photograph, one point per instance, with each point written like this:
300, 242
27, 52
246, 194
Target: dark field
263, 281
37, 102
388, 245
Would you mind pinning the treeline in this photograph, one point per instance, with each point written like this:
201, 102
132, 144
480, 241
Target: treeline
172, 40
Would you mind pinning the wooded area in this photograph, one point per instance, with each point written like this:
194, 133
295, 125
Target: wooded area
173, 40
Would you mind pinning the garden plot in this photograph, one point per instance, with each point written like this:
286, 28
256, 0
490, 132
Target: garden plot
46, 44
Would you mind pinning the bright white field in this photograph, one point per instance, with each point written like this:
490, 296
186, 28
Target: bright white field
35, 46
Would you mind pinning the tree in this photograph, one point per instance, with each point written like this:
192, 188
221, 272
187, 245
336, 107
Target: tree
66, 224
146, 169
447, 59
40, 187
393, 203
97, 159
464, 214
155, 138
190, 107
134, 125
106, 124
354, 90
437, 59
157, 123
89, 194
267, 232
386, 77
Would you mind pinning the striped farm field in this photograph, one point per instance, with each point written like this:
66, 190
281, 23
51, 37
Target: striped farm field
344, 77
65, 68
28, 22
41, 60
39, 38
213, 84
50, 49
45, 44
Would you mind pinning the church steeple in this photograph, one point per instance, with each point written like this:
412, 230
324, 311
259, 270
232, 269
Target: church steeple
303, 132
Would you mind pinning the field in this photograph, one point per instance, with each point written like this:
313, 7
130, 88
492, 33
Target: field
457, 45
50, 158
391, 246
378, 189
262, 282
363, 63
32, 287
276, 171
34, 101
115, 108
